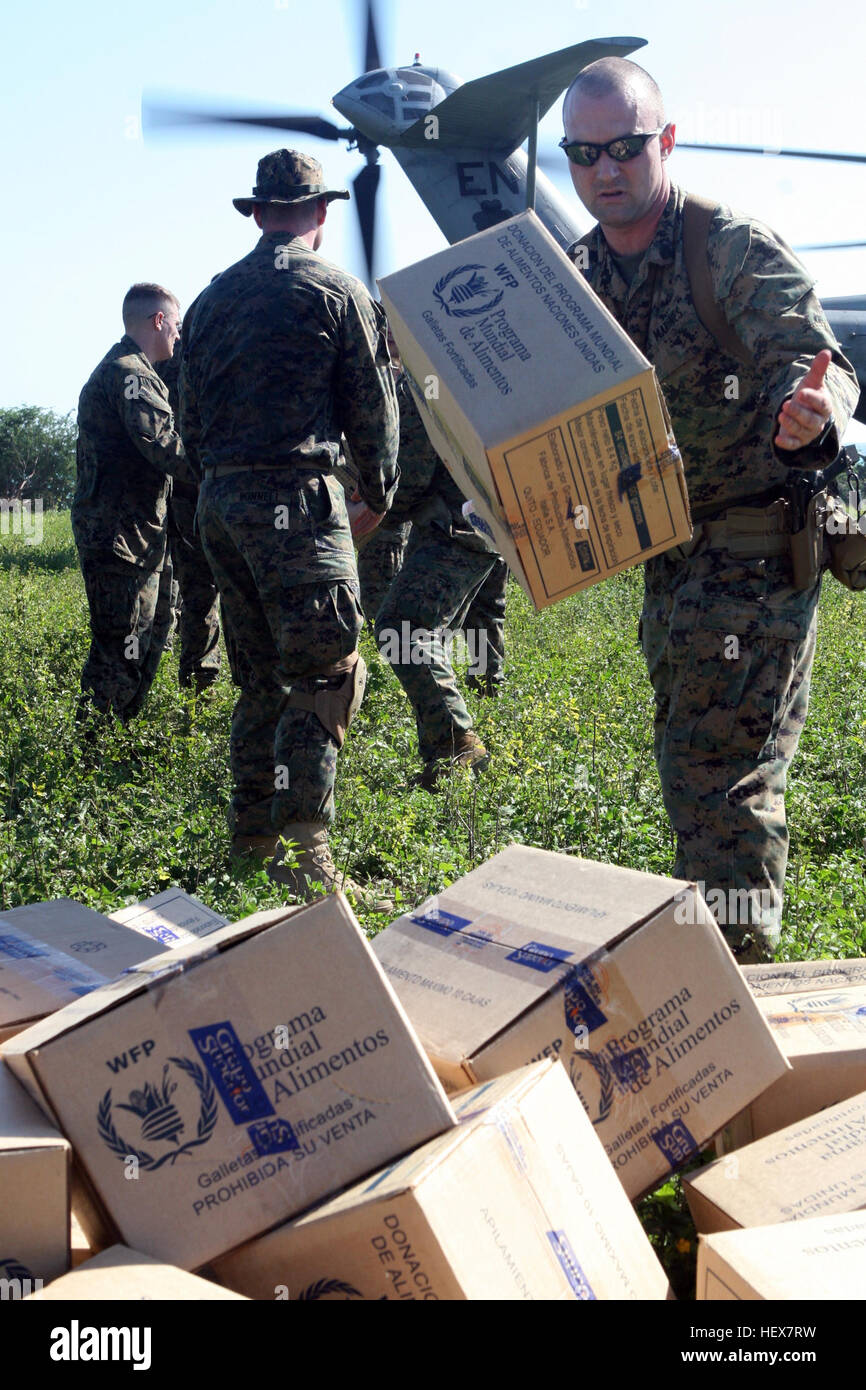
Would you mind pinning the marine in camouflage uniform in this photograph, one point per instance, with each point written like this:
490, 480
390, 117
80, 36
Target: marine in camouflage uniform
728, 640
484, 628
195, 600
380, 559
127, 451
447, 564
282, 353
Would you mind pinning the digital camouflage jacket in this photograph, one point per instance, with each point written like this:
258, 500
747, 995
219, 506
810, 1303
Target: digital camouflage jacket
281, 354
128, 449
427, 494
723, 412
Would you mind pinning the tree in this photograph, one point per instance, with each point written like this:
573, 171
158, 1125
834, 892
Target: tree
37, 454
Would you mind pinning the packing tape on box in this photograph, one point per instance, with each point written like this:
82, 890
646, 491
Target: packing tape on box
44, 965
609, 1076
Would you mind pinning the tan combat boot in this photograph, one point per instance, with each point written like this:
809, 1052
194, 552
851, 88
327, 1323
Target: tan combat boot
467, 751
260, 847
316, 866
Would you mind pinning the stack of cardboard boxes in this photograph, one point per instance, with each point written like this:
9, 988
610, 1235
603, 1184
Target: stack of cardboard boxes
465, 1110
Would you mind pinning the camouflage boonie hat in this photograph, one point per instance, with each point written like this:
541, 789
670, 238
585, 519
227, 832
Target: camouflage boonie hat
285, 176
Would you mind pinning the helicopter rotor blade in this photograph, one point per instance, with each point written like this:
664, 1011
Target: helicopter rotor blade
162, 117
788, 154
365, 187
548, 160
372, 58
832, 246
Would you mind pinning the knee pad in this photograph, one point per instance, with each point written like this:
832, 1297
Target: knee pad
335, 709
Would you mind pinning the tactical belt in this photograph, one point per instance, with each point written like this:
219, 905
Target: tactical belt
751, 532
222, 469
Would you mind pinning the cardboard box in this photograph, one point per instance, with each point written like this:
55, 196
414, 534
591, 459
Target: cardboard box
51, 953
624, 976
823, 1036
814, 1168
544, 411
34, 1193
819, 1259
227, 1085
80, 1248
804, 976
120, 1273
170, 917
519, 1202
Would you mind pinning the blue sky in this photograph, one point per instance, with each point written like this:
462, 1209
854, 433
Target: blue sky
92, 206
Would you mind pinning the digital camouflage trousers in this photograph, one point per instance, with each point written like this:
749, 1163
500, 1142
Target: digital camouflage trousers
428, 600
280, 550
130, 617
381, 557
195, 601
729, 646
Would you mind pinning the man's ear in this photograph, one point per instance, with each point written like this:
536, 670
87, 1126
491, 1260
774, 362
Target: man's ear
158, 320
257, 214
668, 139
322, 212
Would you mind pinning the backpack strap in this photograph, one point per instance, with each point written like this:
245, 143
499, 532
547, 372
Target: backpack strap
698, 213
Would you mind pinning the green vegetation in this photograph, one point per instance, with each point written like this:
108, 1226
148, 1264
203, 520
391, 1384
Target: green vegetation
37, 454
573, 771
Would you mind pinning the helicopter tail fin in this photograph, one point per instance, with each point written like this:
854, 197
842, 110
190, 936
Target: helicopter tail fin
496, 112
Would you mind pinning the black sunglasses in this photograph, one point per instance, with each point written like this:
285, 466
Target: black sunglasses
623, 148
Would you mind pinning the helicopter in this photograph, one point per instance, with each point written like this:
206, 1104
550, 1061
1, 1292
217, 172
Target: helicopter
460, 144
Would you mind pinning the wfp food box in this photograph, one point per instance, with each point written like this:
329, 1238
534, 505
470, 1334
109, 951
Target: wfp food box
170, 917
227, 1085
624, 976
803, 976
34, 1193
816, 1167
823, 1035
518, 1202
546, 414
51, 953
822, 1258
119, 1273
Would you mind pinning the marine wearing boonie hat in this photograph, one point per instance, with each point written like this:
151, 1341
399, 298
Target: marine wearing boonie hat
286, 176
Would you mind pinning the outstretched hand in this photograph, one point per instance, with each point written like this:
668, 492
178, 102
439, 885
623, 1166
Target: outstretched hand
804, 417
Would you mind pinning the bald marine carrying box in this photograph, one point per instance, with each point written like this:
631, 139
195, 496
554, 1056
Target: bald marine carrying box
226, 1086
545, 413
623, 976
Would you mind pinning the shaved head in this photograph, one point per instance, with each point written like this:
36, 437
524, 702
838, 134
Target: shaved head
621, 78
608, 101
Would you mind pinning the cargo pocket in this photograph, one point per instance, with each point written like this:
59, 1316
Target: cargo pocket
731, 694
328, 519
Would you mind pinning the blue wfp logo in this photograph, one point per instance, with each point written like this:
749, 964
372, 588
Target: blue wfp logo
163, 1122
468, 290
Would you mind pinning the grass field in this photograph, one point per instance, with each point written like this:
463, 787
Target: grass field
572, 771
